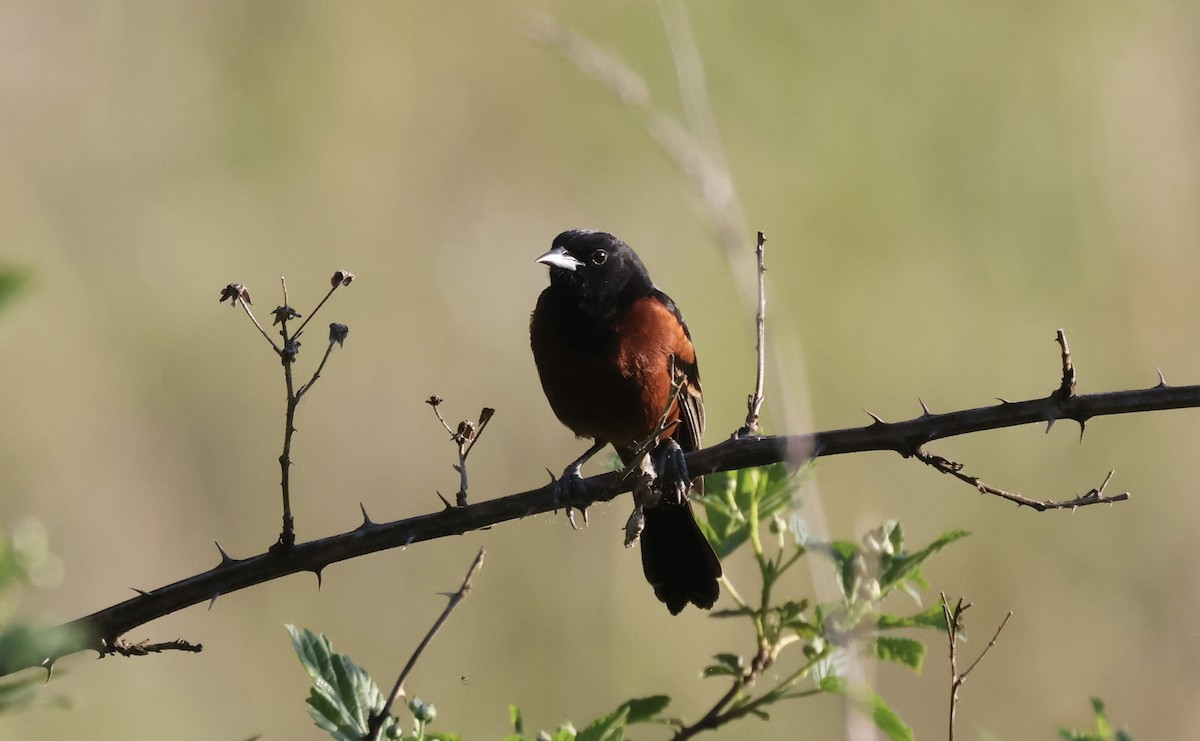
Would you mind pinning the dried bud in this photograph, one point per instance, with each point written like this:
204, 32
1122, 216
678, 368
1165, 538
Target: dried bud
341, 277
466, 430
433, 401
338, 332
290, 351
485, 415
283, 313
235, 292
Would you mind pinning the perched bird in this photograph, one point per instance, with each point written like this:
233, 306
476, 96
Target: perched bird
604, 339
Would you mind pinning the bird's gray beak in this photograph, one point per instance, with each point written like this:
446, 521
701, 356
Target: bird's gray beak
559, 258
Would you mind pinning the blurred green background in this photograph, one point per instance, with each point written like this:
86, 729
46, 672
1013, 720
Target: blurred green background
942, 184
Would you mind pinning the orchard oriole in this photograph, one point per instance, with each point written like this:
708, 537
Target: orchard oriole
605, 340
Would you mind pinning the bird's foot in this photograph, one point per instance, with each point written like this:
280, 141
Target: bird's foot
671, 466
570, 488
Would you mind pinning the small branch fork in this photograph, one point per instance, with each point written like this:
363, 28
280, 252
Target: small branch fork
103, 629
238, 295
954, 628
464, 436
754, 402
1061, 399
377, 720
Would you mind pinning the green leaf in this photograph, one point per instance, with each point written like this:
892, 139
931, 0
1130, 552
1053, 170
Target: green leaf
844, 555
888, 721
1104, 730
728, 665
732, 612
933, 617
12, 282
905, 566
645, 709
885, 718
610, 727
343, 695
729, 497
515, 719
907, 651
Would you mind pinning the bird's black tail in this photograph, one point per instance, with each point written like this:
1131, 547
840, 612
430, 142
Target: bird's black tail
677, 559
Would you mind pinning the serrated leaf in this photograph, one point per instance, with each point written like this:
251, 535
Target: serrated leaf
907, 651
904, 567
645, 709
885, 718
844, 555
731, 612
933, 617
728, 665
610, 727
729, 497
343, 695
888, 721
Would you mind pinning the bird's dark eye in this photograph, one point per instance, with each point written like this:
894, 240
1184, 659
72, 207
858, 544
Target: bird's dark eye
599, 257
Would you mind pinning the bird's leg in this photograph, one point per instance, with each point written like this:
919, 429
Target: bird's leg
570, 486
673, 478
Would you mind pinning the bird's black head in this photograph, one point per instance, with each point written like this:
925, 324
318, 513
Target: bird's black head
597, 269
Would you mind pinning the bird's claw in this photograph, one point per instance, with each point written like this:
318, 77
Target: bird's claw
570, 488
671, 466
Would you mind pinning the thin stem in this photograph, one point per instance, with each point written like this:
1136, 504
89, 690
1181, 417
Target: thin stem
250, 314
377, 720
755, 401
312, 313
304, 388
287, 538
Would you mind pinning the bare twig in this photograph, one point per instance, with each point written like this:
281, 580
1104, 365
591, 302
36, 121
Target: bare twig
144, 648
754, 401
1092, 496
287, 352
1067, 389
376, 722
464, 436
953, 630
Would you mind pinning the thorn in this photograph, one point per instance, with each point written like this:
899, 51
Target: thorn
1162, 381
444, 500
571, 517
1050, 424
317, 571
1002, 400
141, 592
213, 601
875, 417
553, 478
924, 408
1082, 427
225, 559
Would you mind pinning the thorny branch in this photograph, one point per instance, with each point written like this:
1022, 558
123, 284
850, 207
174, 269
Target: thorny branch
100, 631
953, 630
